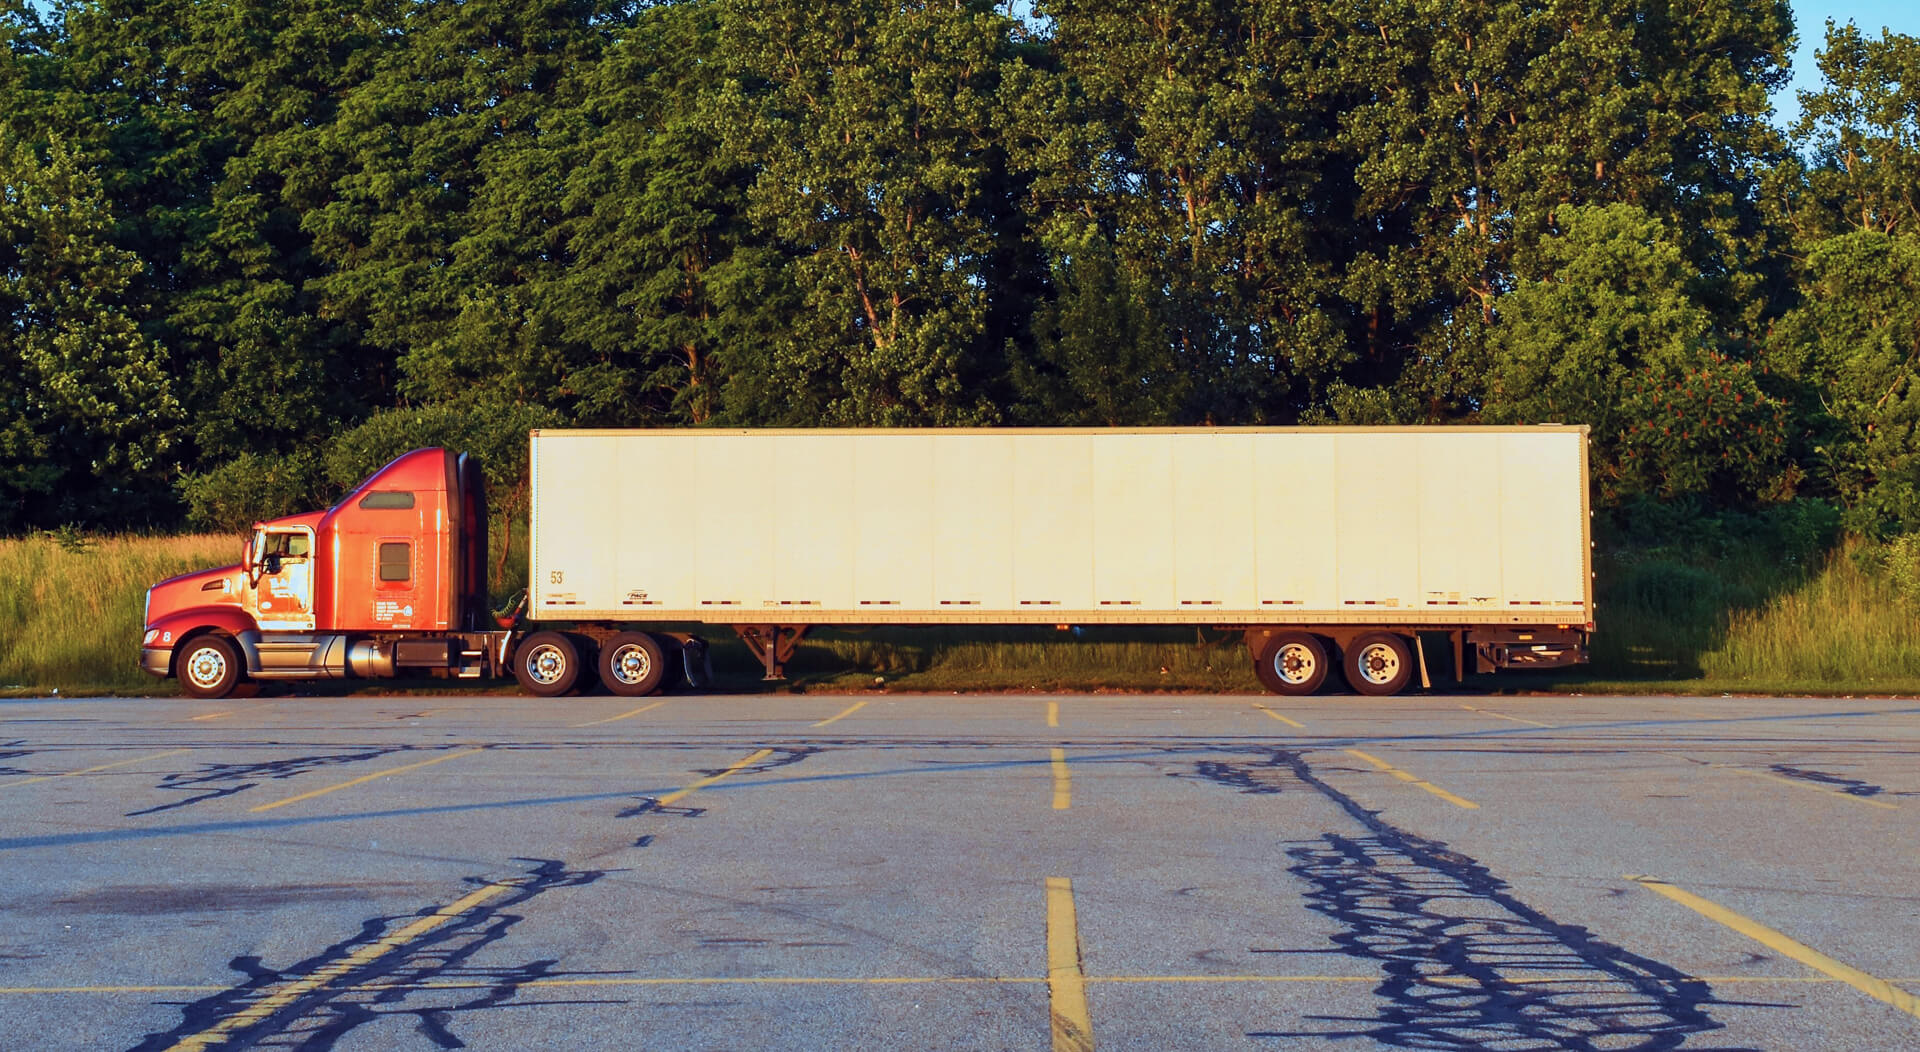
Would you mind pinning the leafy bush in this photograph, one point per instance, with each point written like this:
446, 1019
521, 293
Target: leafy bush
495, 433
1899, 561
252, 487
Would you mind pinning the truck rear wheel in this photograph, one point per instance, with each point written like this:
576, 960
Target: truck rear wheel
1379, 664
1293, 663
547, 664
633, 664
208, 666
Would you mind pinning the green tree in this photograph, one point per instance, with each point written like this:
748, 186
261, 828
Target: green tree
1612, 335
1862, 130
1852, 350
664, 276
87, 415
1101, 356
1197, 138
440, 214
1481, 120
875, 135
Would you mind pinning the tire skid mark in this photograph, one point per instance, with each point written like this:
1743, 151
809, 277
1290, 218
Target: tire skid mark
1466, 962
216, 780
1838, 783
12, 751
430, 978
353, 982
781, 756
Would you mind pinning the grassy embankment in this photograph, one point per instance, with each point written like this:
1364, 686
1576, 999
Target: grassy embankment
1735, 624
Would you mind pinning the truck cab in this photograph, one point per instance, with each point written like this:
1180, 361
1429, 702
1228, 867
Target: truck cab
392, 577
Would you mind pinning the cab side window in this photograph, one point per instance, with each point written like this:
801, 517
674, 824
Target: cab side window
387, 500
396, 561
287, 545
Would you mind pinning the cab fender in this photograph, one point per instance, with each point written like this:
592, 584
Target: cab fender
182, 625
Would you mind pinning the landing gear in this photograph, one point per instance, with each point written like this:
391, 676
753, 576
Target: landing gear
773, 645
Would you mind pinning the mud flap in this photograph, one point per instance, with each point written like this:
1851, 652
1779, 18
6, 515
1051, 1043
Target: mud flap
696, 663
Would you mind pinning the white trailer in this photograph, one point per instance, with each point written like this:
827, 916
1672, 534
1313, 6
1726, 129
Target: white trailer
1328, 547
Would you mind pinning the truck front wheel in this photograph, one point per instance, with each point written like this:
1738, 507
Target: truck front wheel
1379, 664
208, 667
1293, 663
632, 664
547, 664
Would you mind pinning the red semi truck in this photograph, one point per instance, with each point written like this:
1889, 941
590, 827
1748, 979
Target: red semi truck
1334, 550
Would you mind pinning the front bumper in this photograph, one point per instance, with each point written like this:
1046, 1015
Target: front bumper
156, 661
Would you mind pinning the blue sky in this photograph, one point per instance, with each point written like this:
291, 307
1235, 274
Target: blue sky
1810, 18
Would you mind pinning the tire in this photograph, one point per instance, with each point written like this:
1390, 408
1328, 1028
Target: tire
547, 664
1293, 663
633, 664
208, 666
1379, 664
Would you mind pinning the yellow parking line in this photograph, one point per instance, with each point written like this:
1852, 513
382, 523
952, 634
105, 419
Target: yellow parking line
1289, 722
910, 980
622, 716
89, 770
1457, 801
291, 992
1504, 716
1872, 986
1062, 782
1869, 801
211, 716
1053, 714
156, 989
362, 780
681, 794
843, 714
1066, 978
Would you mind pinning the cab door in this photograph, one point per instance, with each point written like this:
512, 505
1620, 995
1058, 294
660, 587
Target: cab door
396, 585
284, 593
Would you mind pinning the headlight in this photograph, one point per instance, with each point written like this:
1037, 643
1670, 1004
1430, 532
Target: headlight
152, 634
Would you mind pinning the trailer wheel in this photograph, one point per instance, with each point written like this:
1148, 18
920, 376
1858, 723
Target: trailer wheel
1379, 664
547, 664
632, 664
1293, 663
208, 666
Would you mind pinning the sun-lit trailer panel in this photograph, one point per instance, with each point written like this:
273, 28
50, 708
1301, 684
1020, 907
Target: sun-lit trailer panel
1225, 527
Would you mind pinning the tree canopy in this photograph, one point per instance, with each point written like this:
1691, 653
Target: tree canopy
251, 243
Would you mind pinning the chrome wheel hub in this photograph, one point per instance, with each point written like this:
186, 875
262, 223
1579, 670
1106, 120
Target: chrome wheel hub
1379, 663
206, 666
1294, 663
546, 665
631, 663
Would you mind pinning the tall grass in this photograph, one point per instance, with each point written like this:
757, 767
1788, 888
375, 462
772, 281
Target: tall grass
1846, 625
1737, 619
1026, 659
1750, 620
70, 607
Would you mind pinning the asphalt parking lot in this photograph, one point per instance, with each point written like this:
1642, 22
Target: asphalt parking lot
1018, 872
